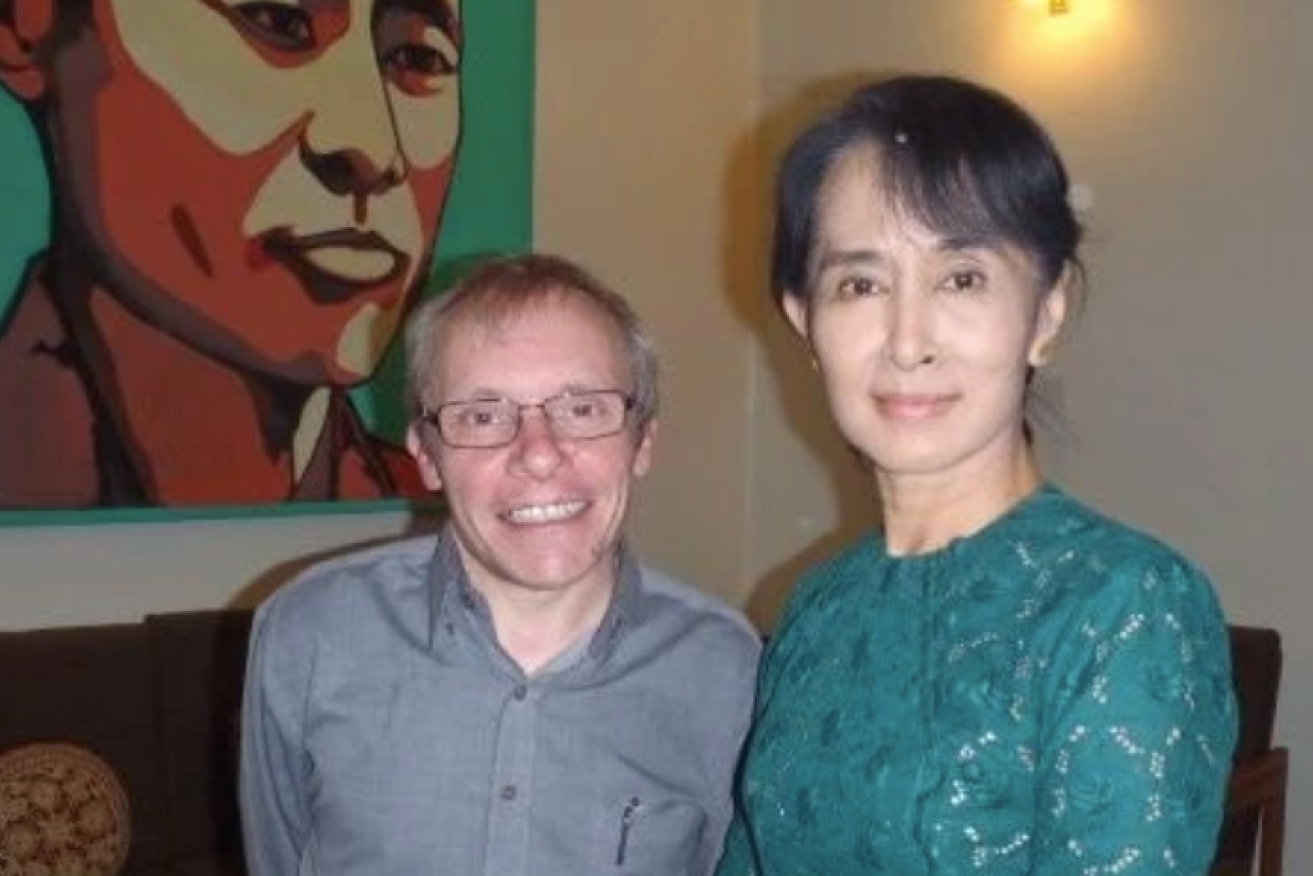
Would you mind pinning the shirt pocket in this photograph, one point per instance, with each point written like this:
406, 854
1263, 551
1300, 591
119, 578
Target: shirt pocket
656, 837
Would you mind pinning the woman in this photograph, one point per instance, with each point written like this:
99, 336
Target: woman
1001, 680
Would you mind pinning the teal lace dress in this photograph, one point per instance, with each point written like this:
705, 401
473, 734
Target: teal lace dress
1050, 696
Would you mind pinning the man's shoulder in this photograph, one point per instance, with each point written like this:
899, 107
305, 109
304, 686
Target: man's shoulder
387, 573
696, 610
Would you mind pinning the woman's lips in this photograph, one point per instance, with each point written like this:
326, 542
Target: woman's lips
345, 258
912, 407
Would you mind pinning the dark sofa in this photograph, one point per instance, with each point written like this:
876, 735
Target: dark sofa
157, 700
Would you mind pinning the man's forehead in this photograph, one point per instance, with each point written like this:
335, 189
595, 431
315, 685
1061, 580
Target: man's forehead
472, 336
543, 316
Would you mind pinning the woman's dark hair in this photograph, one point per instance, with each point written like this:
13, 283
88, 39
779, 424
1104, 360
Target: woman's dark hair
963, 160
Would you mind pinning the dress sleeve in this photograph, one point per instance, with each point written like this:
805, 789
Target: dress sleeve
1139, 729
275, 812
738, 857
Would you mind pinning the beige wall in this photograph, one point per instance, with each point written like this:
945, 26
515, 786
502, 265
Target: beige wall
1184, 402
642, 109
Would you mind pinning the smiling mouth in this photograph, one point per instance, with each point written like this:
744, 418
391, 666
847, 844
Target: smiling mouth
335, 265
912, 407
553, 512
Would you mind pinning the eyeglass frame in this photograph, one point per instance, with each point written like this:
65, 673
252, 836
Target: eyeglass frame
433, 416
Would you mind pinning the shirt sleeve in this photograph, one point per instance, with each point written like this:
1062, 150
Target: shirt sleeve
1140, 729
274, 808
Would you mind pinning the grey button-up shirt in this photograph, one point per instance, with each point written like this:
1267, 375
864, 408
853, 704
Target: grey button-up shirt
385, 733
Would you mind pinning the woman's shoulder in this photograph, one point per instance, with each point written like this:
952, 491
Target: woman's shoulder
1104, 568
852, 562
1067, 531
827, 580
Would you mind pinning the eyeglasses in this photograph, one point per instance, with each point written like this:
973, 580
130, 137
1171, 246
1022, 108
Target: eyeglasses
494, 422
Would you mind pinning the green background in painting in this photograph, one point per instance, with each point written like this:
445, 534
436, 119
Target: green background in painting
489, 211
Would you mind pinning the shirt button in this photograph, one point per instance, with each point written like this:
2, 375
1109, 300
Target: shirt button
521, 691
508, 792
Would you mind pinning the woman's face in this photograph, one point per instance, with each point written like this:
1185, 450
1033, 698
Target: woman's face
261, 180
923, 343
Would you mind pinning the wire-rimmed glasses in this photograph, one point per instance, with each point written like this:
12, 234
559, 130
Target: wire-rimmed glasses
495, 422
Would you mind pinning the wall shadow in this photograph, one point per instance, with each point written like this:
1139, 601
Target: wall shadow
264, 585
784, 377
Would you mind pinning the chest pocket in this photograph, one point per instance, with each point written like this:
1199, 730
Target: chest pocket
657, 837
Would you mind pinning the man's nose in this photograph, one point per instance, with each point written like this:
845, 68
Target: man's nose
350, 141
537, 448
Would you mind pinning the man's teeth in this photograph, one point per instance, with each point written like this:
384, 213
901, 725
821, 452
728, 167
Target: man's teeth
544, 513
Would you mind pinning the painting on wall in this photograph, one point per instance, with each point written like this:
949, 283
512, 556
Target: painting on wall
214, 217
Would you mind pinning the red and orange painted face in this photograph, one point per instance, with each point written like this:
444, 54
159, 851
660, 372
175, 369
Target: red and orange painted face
262, 180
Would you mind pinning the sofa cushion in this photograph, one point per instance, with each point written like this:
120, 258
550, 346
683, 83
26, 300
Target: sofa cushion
62, 810
201, 658
92, 687
225, 864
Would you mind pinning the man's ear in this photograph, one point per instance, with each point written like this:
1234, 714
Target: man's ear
25, 28
428, 467
1049, 320
642, 463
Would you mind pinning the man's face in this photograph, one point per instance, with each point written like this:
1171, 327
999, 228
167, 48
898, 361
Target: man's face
262, 180
540, 513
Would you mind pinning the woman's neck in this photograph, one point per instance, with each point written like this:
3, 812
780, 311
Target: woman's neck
924, 513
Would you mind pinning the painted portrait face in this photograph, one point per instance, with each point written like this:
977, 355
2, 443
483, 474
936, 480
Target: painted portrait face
261, 180
542, 513
924, 343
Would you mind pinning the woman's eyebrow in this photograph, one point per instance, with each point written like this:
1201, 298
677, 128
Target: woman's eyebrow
846, 258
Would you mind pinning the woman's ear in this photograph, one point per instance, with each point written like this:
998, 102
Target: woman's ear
25, 27
1049, 320
795, 308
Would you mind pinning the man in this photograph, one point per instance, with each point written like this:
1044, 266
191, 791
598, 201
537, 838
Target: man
518, 695
246, 197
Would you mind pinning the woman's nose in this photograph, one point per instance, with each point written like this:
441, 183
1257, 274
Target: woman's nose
910, 343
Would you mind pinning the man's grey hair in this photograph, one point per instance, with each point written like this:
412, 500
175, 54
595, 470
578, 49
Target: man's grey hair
503, 288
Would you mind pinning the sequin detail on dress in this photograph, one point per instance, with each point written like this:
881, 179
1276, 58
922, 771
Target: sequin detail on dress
1049, 696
